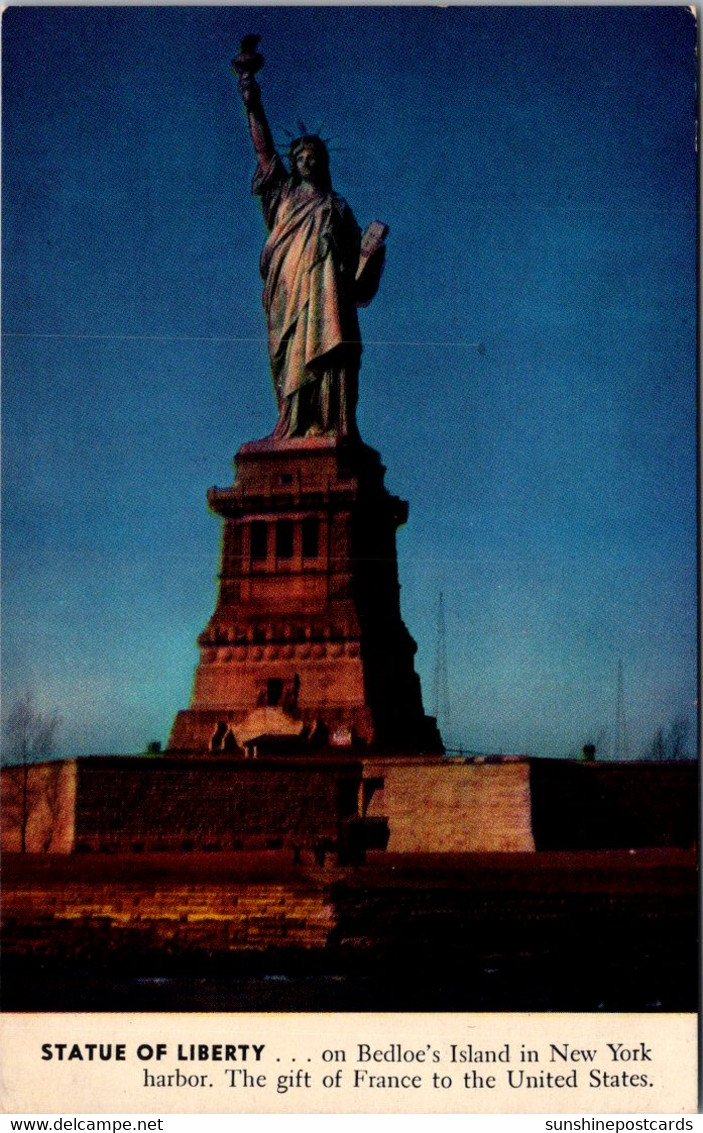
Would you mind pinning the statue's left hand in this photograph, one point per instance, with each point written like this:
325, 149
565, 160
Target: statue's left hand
371, 260
370, 243
373, 239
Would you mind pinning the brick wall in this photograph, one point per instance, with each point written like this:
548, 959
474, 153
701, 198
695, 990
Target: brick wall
452, 806
585, 806
412, 931
132, 804
41, 798
208, 804
170, 904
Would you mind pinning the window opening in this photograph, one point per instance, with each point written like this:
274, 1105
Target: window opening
259, 540
274, 691
284, 539
218, 736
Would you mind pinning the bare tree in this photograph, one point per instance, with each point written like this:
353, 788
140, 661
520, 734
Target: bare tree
671, 744
29, 736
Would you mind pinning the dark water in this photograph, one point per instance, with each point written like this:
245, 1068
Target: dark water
520, 984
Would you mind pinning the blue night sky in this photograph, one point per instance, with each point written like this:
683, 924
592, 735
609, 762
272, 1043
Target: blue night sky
537, 169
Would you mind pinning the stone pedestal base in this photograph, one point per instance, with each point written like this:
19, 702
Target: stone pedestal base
306, 649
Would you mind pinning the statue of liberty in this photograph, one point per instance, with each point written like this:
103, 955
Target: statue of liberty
317, 269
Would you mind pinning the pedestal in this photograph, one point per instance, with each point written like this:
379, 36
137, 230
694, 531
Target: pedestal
306, 649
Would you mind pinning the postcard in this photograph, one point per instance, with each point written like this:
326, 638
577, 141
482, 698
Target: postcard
350, 542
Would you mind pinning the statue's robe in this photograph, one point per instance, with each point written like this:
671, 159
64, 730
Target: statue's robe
308, 265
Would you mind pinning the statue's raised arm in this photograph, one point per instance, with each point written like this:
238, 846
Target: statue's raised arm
247, 63
316, 270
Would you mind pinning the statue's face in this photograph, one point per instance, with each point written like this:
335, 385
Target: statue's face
308, 163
